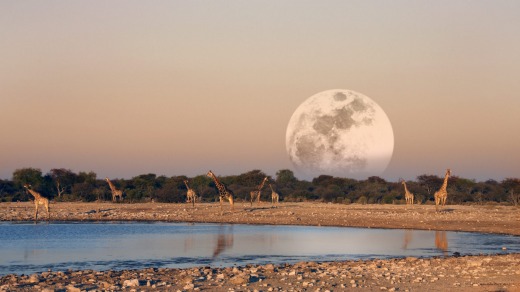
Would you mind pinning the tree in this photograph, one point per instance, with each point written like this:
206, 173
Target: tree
144, 185
7, 190
430, 182
31, 176
461, 190
512, 187
63, 180
285, 177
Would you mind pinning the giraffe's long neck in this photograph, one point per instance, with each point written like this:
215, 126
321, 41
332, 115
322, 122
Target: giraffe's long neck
405, 188
261, 185
35, 194
445, 183
112, 187
221, 188
186, 184
271, 188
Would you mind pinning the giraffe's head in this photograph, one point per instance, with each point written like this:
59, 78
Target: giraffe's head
265, 179
448, 172
210, 174
106, 178
27, 186
185, 181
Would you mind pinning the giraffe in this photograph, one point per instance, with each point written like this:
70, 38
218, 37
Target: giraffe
224, 193
441, 195
38, 200
407, 195
256, 194
190, 194
274, 196
115, 192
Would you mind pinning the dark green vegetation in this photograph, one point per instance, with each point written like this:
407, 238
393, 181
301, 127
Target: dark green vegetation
65, 185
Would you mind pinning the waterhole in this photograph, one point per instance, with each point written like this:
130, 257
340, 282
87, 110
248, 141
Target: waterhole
29, 248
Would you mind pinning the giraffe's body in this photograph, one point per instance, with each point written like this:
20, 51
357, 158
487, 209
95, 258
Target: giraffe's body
275, 197
442, 194
407, 195
115, 192
38, 200
190, 194
255, 195
224, 193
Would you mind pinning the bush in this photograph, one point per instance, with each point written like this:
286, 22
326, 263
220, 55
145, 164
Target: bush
362, 200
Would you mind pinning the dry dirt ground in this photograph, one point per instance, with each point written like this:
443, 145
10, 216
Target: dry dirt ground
475, 273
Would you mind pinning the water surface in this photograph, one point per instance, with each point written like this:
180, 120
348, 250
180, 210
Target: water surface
27, 247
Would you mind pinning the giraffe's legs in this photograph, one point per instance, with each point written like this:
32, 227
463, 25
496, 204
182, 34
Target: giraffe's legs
35, 211
48, 213
231, 203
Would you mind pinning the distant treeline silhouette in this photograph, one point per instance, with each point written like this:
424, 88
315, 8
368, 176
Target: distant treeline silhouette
65, 185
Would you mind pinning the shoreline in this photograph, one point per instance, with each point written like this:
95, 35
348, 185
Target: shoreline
472, 272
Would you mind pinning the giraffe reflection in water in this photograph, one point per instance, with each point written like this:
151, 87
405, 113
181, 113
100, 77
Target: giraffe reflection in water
224, 240
407, 238
441, 241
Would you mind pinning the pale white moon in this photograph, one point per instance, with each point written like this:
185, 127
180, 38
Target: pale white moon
341, 133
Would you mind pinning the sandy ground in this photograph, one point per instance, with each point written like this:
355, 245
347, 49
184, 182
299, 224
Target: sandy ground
475, 273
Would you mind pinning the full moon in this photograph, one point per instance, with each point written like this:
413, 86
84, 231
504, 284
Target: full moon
341, 133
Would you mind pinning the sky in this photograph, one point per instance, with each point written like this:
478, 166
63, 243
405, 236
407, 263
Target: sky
124, 88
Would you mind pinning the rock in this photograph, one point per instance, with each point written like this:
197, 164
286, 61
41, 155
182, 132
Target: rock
189, 287
269, 267
474, 263
238, 280
71, 288
34, 278
131, 283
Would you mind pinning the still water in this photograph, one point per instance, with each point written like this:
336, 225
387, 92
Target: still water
28, 248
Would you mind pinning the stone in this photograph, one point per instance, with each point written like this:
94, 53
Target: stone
238, 280
131, 283
71, 288
34, 278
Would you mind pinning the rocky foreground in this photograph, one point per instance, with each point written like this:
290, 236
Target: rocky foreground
475, 273
484, 273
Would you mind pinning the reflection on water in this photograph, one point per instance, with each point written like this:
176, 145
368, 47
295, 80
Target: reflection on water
407, 238
28, 248
224, 240
441, 241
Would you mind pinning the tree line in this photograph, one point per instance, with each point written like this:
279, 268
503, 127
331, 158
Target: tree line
65, 185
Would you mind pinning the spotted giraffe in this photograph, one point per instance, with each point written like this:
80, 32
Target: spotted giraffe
275, 197
407, 195
38, 200
224, 193
190, 194
115, 192
255, 195
442, 194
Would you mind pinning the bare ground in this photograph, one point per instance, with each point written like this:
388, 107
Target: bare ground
476, 273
